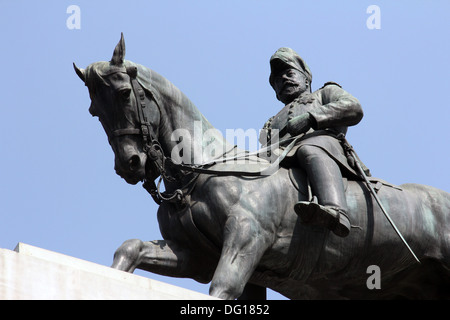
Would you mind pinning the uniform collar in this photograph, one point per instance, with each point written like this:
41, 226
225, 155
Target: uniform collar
305, 99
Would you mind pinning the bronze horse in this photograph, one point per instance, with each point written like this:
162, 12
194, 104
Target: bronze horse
236, 229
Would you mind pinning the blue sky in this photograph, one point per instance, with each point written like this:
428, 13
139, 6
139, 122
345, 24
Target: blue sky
58, 187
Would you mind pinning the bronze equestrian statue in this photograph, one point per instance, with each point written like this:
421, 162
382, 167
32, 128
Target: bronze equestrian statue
233, 230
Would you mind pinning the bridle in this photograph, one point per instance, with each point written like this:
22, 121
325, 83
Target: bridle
149, 138
151, 146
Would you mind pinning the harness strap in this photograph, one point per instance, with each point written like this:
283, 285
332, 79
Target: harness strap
122, 132
179, 194
265, 172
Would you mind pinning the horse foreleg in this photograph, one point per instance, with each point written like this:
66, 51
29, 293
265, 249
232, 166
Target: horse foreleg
159, 256
244, 244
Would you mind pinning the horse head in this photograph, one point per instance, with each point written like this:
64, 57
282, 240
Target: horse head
122, 113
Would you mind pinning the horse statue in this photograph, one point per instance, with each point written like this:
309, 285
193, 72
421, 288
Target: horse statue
235, 230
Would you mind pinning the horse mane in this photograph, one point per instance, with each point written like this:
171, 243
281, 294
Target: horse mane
167, 94
164, 90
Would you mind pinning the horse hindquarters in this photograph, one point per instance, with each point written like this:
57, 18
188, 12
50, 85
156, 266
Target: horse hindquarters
421, 214
433, 220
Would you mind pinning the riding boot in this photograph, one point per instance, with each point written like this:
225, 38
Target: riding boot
335, 219
329, 205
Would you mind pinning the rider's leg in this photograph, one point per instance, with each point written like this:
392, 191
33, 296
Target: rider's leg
326, 183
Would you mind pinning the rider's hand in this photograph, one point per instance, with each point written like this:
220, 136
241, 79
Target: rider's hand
300, 124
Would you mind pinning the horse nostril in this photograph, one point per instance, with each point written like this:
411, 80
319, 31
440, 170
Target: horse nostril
134, 163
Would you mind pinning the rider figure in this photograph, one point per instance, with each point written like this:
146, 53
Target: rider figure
323, 117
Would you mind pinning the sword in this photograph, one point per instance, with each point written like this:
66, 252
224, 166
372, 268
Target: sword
374, 194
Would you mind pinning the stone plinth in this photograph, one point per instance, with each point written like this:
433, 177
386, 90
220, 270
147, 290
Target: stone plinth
33, 273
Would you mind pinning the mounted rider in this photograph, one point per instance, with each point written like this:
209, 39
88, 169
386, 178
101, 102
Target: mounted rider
323, 117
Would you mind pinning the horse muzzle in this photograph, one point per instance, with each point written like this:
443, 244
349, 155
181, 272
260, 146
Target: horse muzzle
132, 167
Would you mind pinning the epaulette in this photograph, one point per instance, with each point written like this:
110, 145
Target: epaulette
268, 123
331, 82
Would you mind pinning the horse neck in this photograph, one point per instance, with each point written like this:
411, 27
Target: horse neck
184, 133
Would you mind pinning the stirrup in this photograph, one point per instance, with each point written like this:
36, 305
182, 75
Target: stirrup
342, 226
334, 219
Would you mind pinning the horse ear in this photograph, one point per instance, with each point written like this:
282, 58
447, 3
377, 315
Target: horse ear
80, 72
119, 52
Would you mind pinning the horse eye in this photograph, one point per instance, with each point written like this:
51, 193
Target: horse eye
125, 93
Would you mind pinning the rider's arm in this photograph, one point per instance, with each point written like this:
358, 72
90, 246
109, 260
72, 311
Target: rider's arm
339, 108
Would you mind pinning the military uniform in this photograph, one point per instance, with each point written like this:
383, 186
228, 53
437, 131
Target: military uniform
322, 117
334, 110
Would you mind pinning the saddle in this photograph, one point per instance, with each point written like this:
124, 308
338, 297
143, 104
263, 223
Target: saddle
299, 180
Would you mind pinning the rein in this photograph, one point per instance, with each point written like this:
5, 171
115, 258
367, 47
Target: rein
179, 194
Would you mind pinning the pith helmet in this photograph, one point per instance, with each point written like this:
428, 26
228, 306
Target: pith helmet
285, 58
